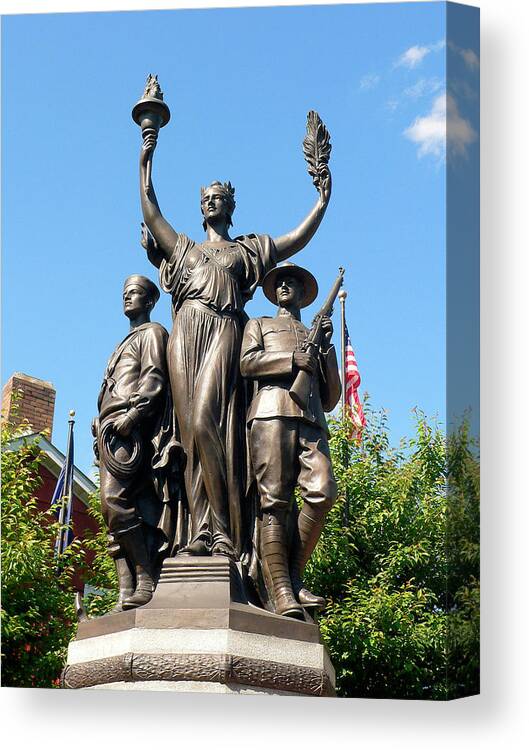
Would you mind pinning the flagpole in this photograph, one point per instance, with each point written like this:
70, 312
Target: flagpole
67, 498
342, 296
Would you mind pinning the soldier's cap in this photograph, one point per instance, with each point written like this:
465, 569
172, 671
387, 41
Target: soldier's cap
310, 285
145, 283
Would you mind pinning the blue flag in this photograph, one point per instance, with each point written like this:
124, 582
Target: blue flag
62, 500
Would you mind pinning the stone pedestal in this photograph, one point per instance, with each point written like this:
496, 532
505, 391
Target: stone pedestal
201, 634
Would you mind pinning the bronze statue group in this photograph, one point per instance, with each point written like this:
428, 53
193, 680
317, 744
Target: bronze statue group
200, 444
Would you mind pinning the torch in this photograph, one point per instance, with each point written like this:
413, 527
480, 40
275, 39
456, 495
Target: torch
151, 113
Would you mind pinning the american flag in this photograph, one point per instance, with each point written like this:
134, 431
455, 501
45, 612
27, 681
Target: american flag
352, 384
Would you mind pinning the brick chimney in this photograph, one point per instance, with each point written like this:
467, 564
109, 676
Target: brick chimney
36, 402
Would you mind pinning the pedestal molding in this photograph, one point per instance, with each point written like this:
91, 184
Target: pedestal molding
219, 668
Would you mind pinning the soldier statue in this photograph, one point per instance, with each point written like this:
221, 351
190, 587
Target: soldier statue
210, 283
132, 407
288, 445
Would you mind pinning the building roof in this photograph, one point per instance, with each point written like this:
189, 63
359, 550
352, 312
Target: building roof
53, 459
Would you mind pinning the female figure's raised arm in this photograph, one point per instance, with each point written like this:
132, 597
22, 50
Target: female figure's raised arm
291, 243
163, 233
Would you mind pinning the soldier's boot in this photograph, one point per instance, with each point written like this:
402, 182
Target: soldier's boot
125, 581
133, 542
274, 547
310, 525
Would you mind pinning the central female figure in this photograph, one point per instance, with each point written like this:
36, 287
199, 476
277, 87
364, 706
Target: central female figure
209, 283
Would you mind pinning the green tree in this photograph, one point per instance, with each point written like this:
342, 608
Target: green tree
101, 576
462, 549
38, 609
402, 575
39, 616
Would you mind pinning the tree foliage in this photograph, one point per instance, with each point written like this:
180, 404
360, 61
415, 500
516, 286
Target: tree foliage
101, 576
38, 609
399, 564
39, 616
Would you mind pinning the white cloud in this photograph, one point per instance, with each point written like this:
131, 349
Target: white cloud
429, 132
438, 46
471, 59
469, 56
423, 87
459, 132
441, 129
414, 56
369, 81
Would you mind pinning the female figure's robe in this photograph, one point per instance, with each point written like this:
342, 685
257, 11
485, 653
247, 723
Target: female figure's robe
209, 284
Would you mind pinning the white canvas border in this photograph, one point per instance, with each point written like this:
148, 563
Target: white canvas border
497, 717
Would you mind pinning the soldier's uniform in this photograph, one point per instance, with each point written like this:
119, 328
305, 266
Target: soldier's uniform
288, 445
135, 384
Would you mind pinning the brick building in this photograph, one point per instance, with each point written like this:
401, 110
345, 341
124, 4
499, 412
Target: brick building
28, 400
35, 402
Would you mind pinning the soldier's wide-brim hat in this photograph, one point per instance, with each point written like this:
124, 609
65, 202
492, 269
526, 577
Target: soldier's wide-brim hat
310, 285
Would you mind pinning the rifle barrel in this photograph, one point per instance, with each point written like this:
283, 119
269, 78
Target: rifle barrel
301, 387
329, 302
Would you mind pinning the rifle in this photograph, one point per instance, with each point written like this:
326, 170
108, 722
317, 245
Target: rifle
302, 385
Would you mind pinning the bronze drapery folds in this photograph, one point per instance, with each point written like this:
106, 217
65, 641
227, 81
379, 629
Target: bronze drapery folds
203, 409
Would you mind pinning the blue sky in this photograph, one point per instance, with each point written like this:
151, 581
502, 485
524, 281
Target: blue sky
239, 83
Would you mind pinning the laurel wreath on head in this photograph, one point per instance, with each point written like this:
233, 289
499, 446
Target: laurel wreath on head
226, 187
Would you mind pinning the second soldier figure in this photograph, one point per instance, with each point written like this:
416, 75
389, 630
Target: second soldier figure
288, 445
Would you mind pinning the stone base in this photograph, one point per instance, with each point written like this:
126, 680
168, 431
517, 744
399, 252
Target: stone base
190, 687
199, 633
